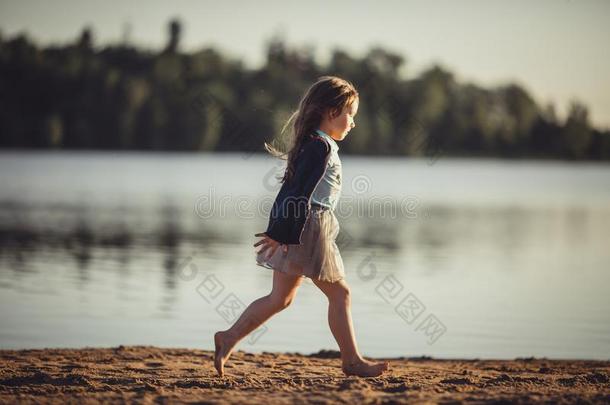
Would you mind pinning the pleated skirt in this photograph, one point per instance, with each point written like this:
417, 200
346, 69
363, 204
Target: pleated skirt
317, 257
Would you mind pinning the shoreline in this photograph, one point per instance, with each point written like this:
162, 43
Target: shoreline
147, 374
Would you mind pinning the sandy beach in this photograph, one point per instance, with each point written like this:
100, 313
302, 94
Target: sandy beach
146, 374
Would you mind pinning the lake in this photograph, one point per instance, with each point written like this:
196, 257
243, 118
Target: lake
453, 258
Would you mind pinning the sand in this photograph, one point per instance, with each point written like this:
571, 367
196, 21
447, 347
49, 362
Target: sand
145, 374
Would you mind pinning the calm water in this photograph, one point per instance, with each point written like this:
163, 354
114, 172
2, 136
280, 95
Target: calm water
453, 258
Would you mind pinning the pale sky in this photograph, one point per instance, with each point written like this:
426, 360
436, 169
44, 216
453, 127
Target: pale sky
557, 49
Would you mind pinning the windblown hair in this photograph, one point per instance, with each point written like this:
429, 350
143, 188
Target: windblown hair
328, 93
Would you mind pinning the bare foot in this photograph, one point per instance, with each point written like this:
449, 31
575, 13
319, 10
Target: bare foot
222, 351
365, 368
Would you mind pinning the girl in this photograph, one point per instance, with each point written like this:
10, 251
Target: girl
300, 237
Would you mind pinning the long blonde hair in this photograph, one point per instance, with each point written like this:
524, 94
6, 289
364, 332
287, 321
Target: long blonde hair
327, 93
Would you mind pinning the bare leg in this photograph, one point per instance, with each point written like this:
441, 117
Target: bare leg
284, 289
340, 322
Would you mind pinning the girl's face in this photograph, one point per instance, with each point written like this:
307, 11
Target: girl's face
339, 126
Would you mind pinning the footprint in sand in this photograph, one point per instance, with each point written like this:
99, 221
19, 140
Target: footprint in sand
154, 364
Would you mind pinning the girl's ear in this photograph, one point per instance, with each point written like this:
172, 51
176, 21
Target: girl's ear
330, 113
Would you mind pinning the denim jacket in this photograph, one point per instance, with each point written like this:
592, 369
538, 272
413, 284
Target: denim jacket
293, 202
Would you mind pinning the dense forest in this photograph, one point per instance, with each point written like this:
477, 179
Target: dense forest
77, 96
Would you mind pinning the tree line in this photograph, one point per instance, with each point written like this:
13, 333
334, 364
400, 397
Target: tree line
76, 96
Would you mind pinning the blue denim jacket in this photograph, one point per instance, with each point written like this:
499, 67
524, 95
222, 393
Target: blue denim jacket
293, 201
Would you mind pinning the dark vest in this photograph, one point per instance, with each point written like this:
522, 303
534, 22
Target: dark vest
293, 201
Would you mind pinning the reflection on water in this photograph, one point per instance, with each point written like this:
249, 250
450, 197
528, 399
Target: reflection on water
100, 250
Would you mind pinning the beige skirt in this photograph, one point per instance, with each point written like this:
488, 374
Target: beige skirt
317, 257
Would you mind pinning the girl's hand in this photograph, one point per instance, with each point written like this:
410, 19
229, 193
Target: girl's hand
269, 243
